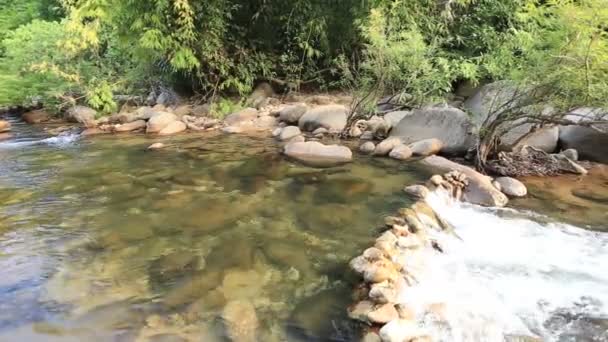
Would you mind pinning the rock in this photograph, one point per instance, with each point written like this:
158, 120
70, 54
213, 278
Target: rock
367, 136
201, 110
511, 187
5, 126
480, 189
590, 144
83, 115
331, 117
371, 337
242, 116
386, 146
383, 293
167, 97
159, 121
401, 152
277, 131
383, 314
232, 130
292, 114
418, 191
317, 154
568, 165
426, 147
321, 100
320, 131
355, 132
182, 110
173, 127
544, 138
5, 136
452, 125
241, 321
571, 154
593, 195
298, 138
367, 147
131, 126
259, 95
199, 123
393, 118
360, 311
93, 131
289, 132
36, 116
156, 146
400, 330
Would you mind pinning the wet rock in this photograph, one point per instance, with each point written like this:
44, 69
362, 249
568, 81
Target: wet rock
331, 117
131, 126
5, 126
367, 147
292, 114
156, 146
232, 130
590, 143
240, 285
400, 330
159, 121
571, 154
511, 187
242, 116
173, 128
189, 290
289, 132
417, 191
361, 310
241, 321
591, 195
383, 293
392, 220
320, 131
83, 115
174, 266
480, 189
5, 136
386, 146
93, 131
277, 131
451, 124
401, 152
426, 147
314, 316
36, 116
383, 314
197, 123
317, 154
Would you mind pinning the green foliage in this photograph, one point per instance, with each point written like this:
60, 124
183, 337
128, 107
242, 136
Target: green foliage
223, 107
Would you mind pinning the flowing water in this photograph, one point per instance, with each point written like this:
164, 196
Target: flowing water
101, 240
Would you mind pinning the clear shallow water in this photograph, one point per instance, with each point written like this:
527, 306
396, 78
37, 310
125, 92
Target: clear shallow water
101, 240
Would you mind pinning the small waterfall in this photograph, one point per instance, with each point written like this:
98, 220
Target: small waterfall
504, 273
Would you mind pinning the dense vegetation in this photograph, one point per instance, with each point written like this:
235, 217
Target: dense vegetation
66, 51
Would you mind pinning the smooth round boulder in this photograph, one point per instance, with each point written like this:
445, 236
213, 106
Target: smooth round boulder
427, 147
452, 125
36, 116
331, 117
82, 115
159, 121
590, 143
131, 126
386, 146
289, 132
173, 127
401, 152
5, 126
367, 147
316, 154
511, 187
292, 114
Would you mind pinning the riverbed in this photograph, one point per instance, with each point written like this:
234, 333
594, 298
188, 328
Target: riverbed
103, 240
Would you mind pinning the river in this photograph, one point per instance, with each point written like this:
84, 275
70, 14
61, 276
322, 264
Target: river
102, 240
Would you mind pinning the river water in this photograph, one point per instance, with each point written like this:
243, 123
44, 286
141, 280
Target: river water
101, 240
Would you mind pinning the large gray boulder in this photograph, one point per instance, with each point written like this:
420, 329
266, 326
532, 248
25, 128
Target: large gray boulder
590, 144
480, 190
316, 154
451, 125
496, 98
331, 117
83, 115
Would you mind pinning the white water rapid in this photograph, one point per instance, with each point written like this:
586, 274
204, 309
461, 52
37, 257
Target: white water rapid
508, 274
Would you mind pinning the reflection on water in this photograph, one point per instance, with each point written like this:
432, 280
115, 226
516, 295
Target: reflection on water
212, 237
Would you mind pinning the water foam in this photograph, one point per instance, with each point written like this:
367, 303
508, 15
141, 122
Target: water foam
62, 140
507, 274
